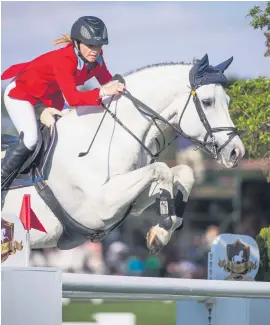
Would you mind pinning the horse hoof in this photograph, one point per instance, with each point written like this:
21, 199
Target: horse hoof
153, 242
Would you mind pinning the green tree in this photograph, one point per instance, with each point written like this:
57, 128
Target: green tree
250, 111
261, 20
263, 242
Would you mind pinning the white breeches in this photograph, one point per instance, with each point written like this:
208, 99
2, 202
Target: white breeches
22, 114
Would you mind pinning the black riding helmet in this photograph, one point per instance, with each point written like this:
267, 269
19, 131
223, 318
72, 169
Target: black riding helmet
89, 30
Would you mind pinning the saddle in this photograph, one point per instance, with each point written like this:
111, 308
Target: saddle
37, 166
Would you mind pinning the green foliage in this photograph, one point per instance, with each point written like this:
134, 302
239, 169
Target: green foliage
263, 242
261, 20
250, 112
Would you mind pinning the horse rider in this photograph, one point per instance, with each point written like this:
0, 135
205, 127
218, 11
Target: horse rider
52, 78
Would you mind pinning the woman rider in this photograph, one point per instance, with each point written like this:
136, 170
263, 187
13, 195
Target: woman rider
52, 78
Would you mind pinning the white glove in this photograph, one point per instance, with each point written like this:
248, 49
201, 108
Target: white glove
111, 88
47, 116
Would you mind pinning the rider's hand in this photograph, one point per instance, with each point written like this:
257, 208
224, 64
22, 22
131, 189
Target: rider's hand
112, 88
47, 118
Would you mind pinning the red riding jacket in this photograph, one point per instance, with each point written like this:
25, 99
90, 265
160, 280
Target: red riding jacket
54, 75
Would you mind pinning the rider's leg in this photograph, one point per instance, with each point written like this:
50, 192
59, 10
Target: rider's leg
23, 117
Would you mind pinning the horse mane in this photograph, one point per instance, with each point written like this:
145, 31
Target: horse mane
149, 66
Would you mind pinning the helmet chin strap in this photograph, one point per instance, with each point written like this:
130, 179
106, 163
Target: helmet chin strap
90, 65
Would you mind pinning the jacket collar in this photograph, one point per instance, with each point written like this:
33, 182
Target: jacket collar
81, 63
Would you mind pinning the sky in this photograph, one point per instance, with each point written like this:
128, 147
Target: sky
141, 33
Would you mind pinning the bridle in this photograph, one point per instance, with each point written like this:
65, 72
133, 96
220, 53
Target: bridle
208, 144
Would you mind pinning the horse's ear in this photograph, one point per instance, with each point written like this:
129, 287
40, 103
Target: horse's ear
203, 65
223, 66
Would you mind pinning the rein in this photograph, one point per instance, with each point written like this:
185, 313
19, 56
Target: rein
209, 147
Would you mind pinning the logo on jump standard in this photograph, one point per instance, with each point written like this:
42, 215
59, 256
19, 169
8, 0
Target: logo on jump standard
237, 262
8, 244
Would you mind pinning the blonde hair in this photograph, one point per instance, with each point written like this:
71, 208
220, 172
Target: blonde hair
63, 39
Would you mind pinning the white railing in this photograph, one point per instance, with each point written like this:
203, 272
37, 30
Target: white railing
144, 288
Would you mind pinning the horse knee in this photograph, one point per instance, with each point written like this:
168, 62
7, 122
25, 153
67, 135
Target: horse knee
188, 175
184, 175
162, 172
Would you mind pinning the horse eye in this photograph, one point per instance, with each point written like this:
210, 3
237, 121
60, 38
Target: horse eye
207, 102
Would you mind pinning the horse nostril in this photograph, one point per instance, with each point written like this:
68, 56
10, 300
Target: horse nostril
234, 155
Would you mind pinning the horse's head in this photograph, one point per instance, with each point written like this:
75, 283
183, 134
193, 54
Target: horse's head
206, 119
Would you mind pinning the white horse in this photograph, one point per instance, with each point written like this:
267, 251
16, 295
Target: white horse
3, 235
97, 189
239, 258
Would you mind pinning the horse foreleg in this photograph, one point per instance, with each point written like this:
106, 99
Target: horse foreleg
106, 205
159, 235
122, 190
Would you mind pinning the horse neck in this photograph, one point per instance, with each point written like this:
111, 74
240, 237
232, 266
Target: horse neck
158, 87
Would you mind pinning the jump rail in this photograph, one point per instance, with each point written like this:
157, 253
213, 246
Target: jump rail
82, 286
127, 296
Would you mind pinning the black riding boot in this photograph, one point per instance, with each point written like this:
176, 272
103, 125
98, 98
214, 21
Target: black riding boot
15, 156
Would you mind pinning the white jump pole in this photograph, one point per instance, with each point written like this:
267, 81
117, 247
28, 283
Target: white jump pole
83, 284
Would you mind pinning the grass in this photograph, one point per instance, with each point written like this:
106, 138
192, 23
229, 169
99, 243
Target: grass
147, 312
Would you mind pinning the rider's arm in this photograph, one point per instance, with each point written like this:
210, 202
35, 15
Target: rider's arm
64, 69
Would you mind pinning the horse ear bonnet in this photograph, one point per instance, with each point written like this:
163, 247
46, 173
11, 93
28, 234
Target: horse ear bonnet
204, 74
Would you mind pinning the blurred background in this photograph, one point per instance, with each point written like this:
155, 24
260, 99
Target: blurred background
222, 201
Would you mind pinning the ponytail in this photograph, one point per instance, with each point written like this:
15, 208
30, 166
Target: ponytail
63, 39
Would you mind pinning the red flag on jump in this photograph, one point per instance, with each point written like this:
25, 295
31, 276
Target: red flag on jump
28, 217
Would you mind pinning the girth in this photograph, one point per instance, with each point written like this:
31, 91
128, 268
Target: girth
74, 233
